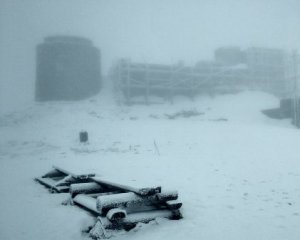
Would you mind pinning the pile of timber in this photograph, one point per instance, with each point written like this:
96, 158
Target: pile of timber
116, 206
59, 180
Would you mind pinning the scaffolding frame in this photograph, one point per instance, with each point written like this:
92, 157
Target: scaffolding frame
143, 79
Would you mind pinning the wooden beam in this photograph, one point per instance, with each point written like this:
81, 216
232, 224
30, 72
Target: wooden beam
116, 186
86, 188
87, 202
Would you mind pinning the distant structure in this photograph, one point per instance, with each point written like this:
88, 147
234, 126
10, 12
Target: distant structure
289, 106
266, 67
138, 79
68, 68
232, 70
230, 56
267, 70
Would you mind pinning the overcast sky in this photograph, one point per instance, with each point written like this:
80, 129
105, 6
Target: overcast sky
162, 31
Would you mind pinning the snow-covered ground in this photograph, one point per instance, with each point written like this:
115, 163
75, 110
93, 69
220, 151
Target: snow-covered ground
237, 171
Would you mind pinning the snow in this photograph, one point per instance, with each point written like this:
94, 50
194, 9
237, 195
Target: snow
86, 201
237, 172
130, 199
116, 213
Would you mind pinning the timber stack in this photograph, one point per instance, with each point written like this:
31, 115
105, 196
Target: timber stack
117, 207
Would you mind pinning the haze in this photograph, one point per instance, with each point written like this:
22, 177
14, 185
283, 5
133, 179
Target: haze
149, 31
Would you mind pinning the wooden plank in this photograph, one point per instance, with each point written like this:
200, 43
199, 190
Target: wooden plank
66, 181
53, 173
103, 193
139, 191
50, 183
81, 176
46, 181
87, 188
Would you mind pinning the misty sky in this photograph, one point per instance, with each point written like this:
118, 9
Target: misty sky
162, 31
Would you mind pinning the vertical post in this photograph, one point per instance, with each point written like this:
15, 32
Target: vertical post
171, 86
296, 98
192, 83
128, 83
119, 83
147, 85
286, 88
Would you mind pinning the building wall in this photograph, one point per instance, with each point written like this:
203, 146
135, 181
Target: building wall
267, 69
68, 68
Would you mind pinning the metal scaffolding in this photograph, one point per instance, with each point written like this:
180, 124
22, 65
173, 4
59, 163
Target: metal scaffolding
137, 79
233, 70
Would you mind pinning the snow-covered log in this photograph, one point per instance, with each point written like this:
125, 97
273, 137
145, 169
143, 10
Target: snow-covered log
139, 191
173, 204
116, 214
97, 194
86, 202
77, 176
130, 199
53, 173
86, 188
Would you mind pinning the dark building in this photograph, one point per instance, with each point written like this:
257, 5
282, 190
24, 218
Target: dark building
68, 68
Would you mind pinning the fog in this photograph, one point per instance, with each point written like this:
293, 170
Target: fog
200, 123
147, 31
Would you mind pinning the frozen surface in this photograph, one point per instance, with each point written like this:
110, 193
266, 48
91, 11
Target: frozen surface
237, 172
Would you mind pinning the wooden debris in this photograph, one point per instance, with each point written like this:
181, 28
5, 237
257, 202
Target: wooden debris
116, 214
173, 204
86, 188
117, 206
130, 199
77, 176
86, 202
59, 180
141, 191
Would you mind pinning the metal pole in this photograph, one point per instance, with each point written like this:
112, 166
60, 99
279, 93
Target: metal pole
295, 77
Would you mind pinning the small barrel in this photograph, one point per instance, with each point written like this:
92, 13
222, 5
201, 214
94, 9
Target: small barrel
83, 136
